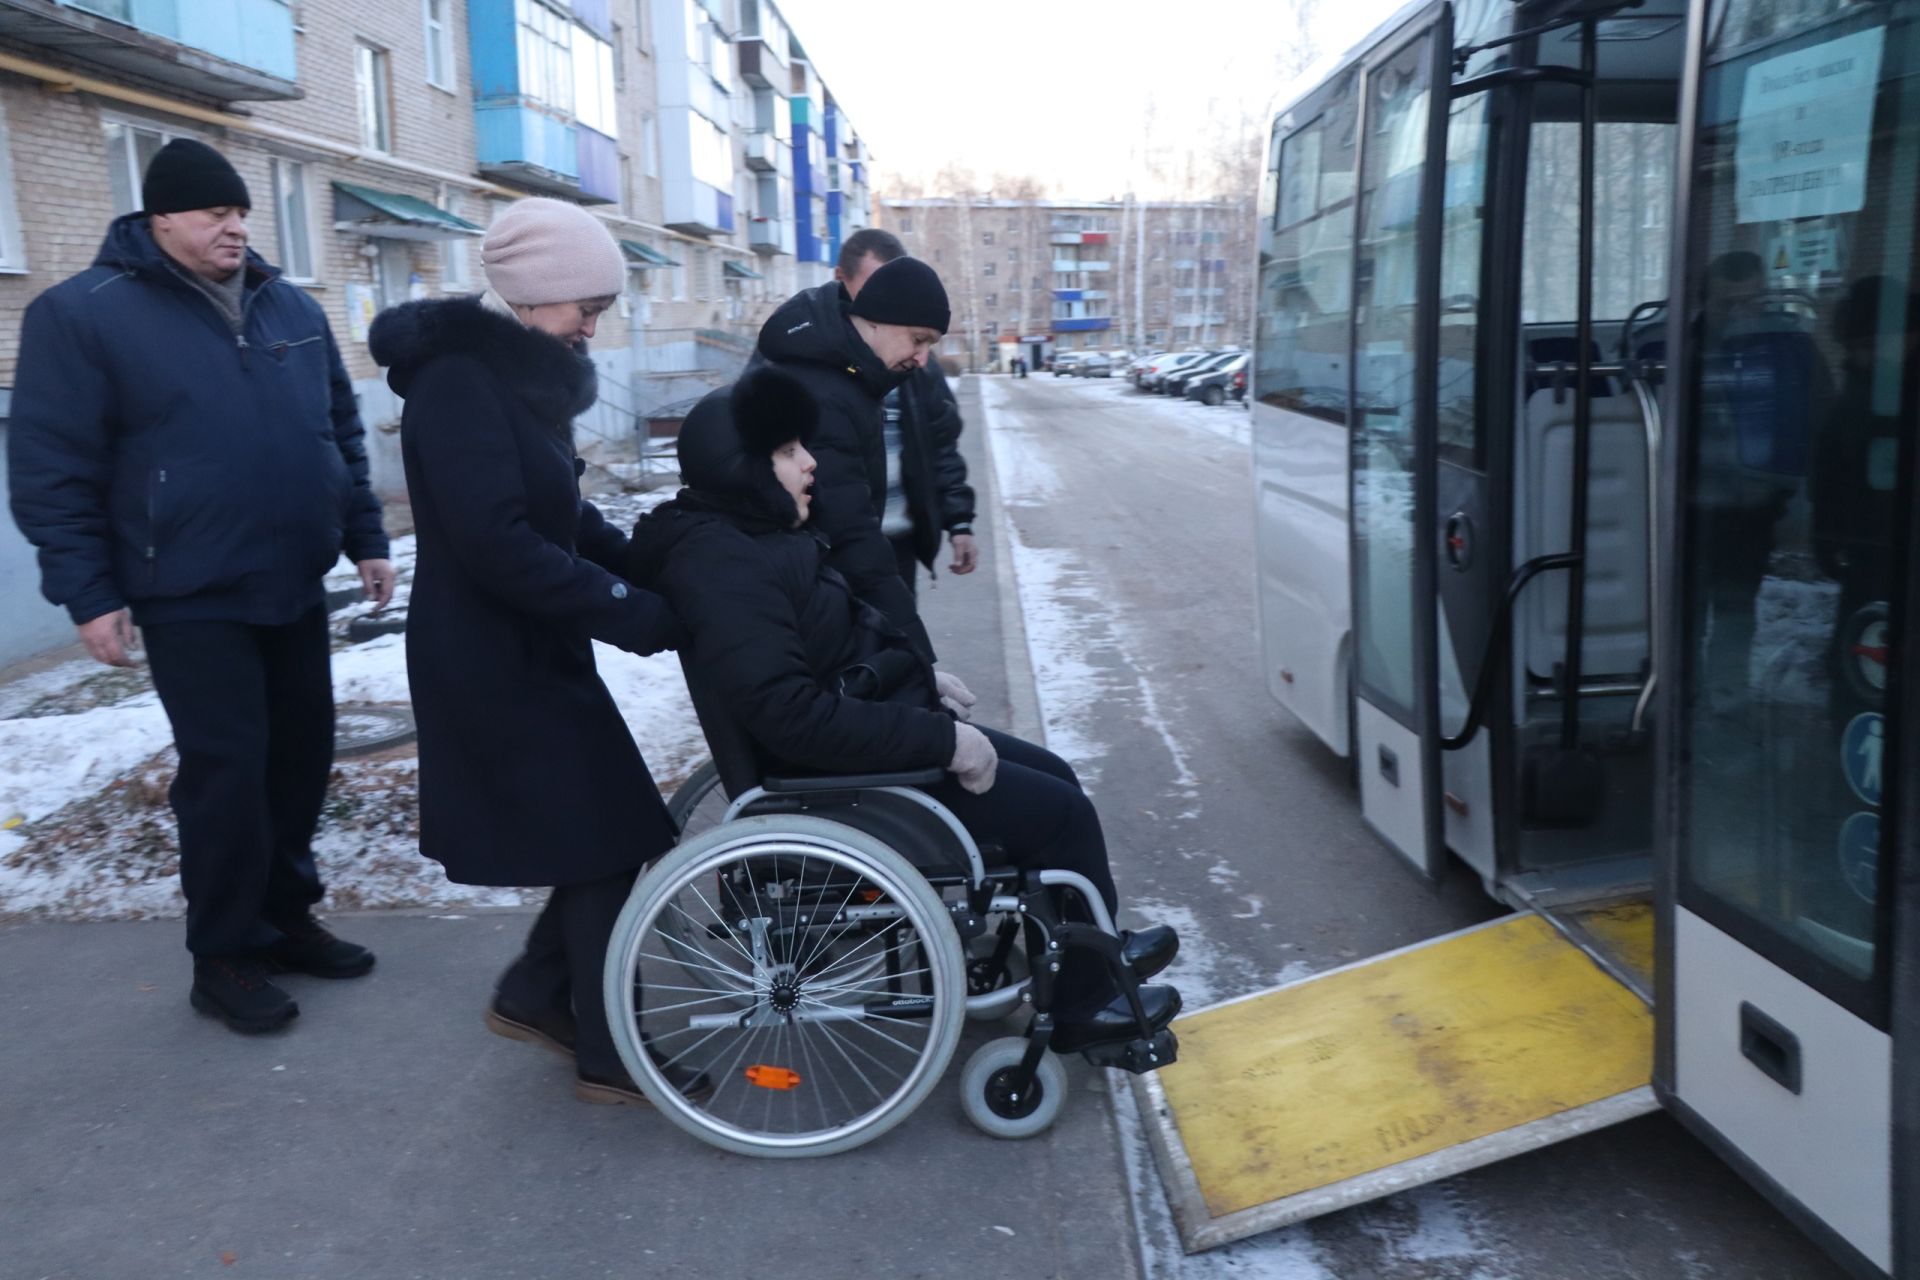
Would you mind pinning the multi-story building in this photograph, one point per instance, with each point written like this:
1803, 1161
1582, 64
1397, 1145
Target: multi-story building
380, 137
1030, 276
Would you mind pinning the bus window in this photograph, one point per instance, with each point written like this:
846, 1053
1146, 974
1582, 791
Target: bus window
1306, 273
1632, 189
1462, 218
1805, 384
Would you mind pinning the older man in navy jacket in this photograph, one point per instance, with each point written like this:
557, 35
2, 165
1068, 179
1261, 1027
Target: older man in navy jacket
186, 453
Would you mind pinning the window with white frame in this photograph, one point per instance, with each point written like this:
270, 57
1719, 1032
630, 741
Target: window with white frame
13, 251
456, 262
546, 54
290, 214
649, 145
130, 148
439, 44
372, 76
593, 102
701, 274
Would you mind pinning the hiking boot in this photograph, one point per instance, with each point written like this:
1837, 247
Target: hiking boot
1114, 1022
237, 991
1147, 951
551, 1031
620, 1090
307, 947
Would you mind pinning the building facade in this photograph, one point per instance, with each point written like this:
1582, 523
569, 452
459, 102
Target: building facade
380, 137
1030, 277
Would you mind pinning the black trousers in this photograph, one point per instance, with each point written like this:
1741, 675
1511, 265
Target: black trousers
252, 715
908, 561
1040, 818
560, 970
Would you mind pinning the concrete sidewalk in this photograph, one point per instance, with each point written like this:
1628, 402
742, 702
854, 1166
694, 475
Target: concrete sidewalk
388, 1135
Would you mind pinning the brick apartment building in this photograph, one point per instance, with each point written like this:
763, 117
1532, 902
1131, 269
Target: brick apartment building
379, 138
1030, 277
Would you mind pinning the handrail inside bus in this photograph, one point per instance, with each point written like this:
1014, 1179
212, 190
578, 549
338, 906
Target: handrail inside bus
1497, 640
1549, 74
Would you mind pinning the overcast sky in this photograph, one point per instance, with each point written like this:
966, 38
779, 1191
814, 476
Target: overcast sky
1056, 90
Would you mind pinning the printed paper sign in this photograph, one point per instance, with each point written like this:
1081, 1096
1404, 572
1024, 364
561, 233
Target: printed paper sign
1806, 120
1807, 251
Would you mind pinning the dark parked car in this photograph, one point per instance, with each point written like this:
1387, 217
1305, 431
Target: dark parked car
1152, 375
1095, 364
1217, 386
1063, 363
1176, 382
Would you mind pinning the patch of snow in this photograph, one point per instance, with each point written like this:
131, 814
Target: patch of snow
372, 672
51, 761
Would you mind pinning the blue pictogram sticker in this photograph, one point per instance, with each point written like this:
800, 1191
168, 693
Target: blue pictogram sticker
1860, 854
1862, 748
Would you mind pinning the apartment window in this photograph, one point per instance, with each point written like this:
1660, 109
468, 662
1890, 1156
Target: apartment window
439, 44
619, 63
993, 300
130, 148
702, 271
376, 97
649, 146
593, 102
1013, 255
456, 266
546, 54
986, 237
13, 253
1013, 223
906, 223
290, 213
988, 270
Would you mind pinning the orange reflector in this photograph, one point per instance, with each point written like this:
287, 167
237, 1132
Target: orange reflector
869, 895
773, 1077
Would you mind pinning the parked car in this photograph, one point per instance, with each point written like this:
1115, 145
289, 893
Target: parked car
1139, 363
1155, 373
1217, 386
1063, 363
1095, 364
1175, 384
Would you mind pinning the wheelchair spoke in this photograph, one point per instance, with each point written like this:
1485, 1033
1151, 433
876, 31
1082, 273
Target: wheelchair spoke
834, 1040
859, 988
735, 996
723, 970
867, 1022
728, 933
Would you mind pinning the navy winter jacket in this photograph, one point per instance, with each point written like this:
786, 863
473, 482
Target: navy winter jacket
161, 461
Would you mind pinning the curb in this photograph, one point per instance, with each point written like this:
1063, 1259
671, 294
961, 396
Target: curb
1023, 691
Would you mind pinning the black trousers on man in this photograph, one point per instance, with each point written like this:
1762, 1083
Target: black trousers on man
909, 562
252, 715
561, 967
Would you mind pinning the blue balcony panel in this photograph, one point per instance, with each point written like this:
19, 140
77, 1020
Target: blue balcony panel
1066, 295
723, 210
596, 16
1084, 325
232, 50
599, 165
528, 147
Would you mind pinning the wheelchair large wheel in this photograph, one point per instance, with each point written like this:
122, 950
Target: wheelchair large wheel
831, 986
699, 803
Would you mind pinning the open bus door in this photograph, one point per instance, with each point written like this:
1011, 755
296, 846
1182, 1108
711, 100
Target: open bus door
1787, 1002
1402, 123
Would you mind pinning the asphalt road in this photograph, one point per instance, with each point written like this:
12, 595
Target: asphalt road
1134, 522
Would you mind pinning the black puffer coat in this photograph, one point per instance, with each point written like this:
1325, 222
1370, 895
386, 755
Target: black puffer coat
528, 775
812, 337
772, 627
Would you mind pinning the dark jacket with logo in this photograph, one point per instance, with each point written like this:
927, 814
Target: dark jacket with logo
160, 460
811, 337
932, 472
528, 773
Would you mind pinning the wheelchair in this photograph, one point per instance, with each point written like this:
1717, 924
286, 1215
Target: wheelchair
814, 945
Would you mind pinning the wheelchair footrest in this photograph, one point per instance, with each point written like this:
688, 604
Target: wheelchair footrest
1137, 1056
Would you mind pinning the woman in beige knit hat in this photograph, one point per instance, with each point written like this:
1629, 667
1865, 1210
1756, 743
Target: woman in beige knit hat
528, 775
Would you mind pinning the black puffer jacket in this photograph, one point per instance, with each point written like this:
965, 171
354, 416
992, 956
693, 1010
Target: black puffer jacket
812, 338
528, 774
772, 627
932, 471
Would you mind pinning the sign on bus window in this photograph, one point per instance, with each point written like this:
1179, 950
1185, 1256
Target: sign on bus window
1806, 120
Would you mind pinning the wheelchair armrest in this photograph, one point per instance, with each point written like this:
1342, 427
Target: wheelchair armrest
853, 782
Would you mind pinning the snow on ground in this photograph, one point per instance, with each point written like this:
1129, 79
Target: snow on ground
1228, 421
86, 758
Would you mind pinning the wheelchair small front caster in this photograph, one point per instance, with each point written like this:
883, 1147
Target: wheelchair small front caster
987, 1096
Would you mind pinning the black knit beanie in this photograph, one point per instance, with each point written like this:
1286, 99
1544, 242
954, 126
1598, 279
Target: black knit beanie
186, 174
727, 441
904, 291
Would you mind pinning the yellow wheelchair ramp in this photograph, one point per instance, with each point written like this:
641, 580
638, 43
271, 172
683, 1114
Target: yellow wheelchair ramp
1403, 1069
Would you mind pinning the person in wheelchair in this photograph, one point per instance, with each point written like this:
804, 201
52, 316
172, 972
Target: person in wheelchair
821, 682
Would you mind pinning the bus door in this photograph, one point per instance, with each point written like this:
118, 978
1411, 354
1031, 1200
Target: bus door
1784, 847
1393, 379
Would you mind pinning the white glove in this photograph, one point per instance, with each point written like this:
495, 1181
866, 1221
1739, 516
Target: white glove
974, 759
954, 696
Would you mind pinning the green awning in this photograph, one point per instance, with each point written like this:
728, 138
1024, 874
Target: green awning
737, 271
373, 212
646, 256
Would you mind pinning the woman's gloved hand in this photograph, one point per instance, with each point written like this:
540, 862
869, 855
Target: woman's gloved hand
974, 759
954, 695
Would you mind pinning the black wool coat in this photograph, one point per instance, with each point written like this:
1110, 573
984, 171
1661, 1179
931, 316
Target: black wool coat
528, 774
811, 336
932, 471
770, 629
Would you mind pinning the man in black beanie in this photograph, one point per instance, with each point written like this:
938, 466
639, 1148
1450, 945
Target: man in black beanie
186, 453
850, 352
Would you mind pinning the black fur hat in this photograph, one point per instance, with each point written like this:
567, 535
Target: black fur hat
726, 443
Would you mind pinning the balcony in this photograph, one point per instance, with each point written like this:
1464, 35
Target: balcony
762, 65
1064, 237
230, 50
1085, 324
770, 236
696, 208
761, 150
528, 147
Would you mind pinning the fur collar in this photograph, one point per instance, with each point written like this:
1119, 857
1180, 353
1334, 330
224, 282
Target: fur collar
556, 381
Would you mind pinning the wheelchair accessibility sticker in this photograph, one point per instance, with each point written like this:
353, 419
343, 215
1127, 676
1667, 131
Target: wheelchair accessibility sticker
1860, 855
1862, 748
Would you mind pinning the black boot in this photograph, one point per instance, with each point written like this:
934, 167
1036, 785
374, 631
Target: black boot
1114, 1022
238, 992
551, 1031
1147, 951
307, 947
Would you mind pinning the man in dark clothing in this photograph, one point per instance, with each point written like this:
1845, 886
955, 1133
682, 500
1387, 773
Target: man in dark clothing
927, 488
186, 453
850, 352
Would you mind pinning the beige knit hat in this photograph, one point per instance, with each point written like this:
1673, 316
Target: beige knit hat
542, 251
